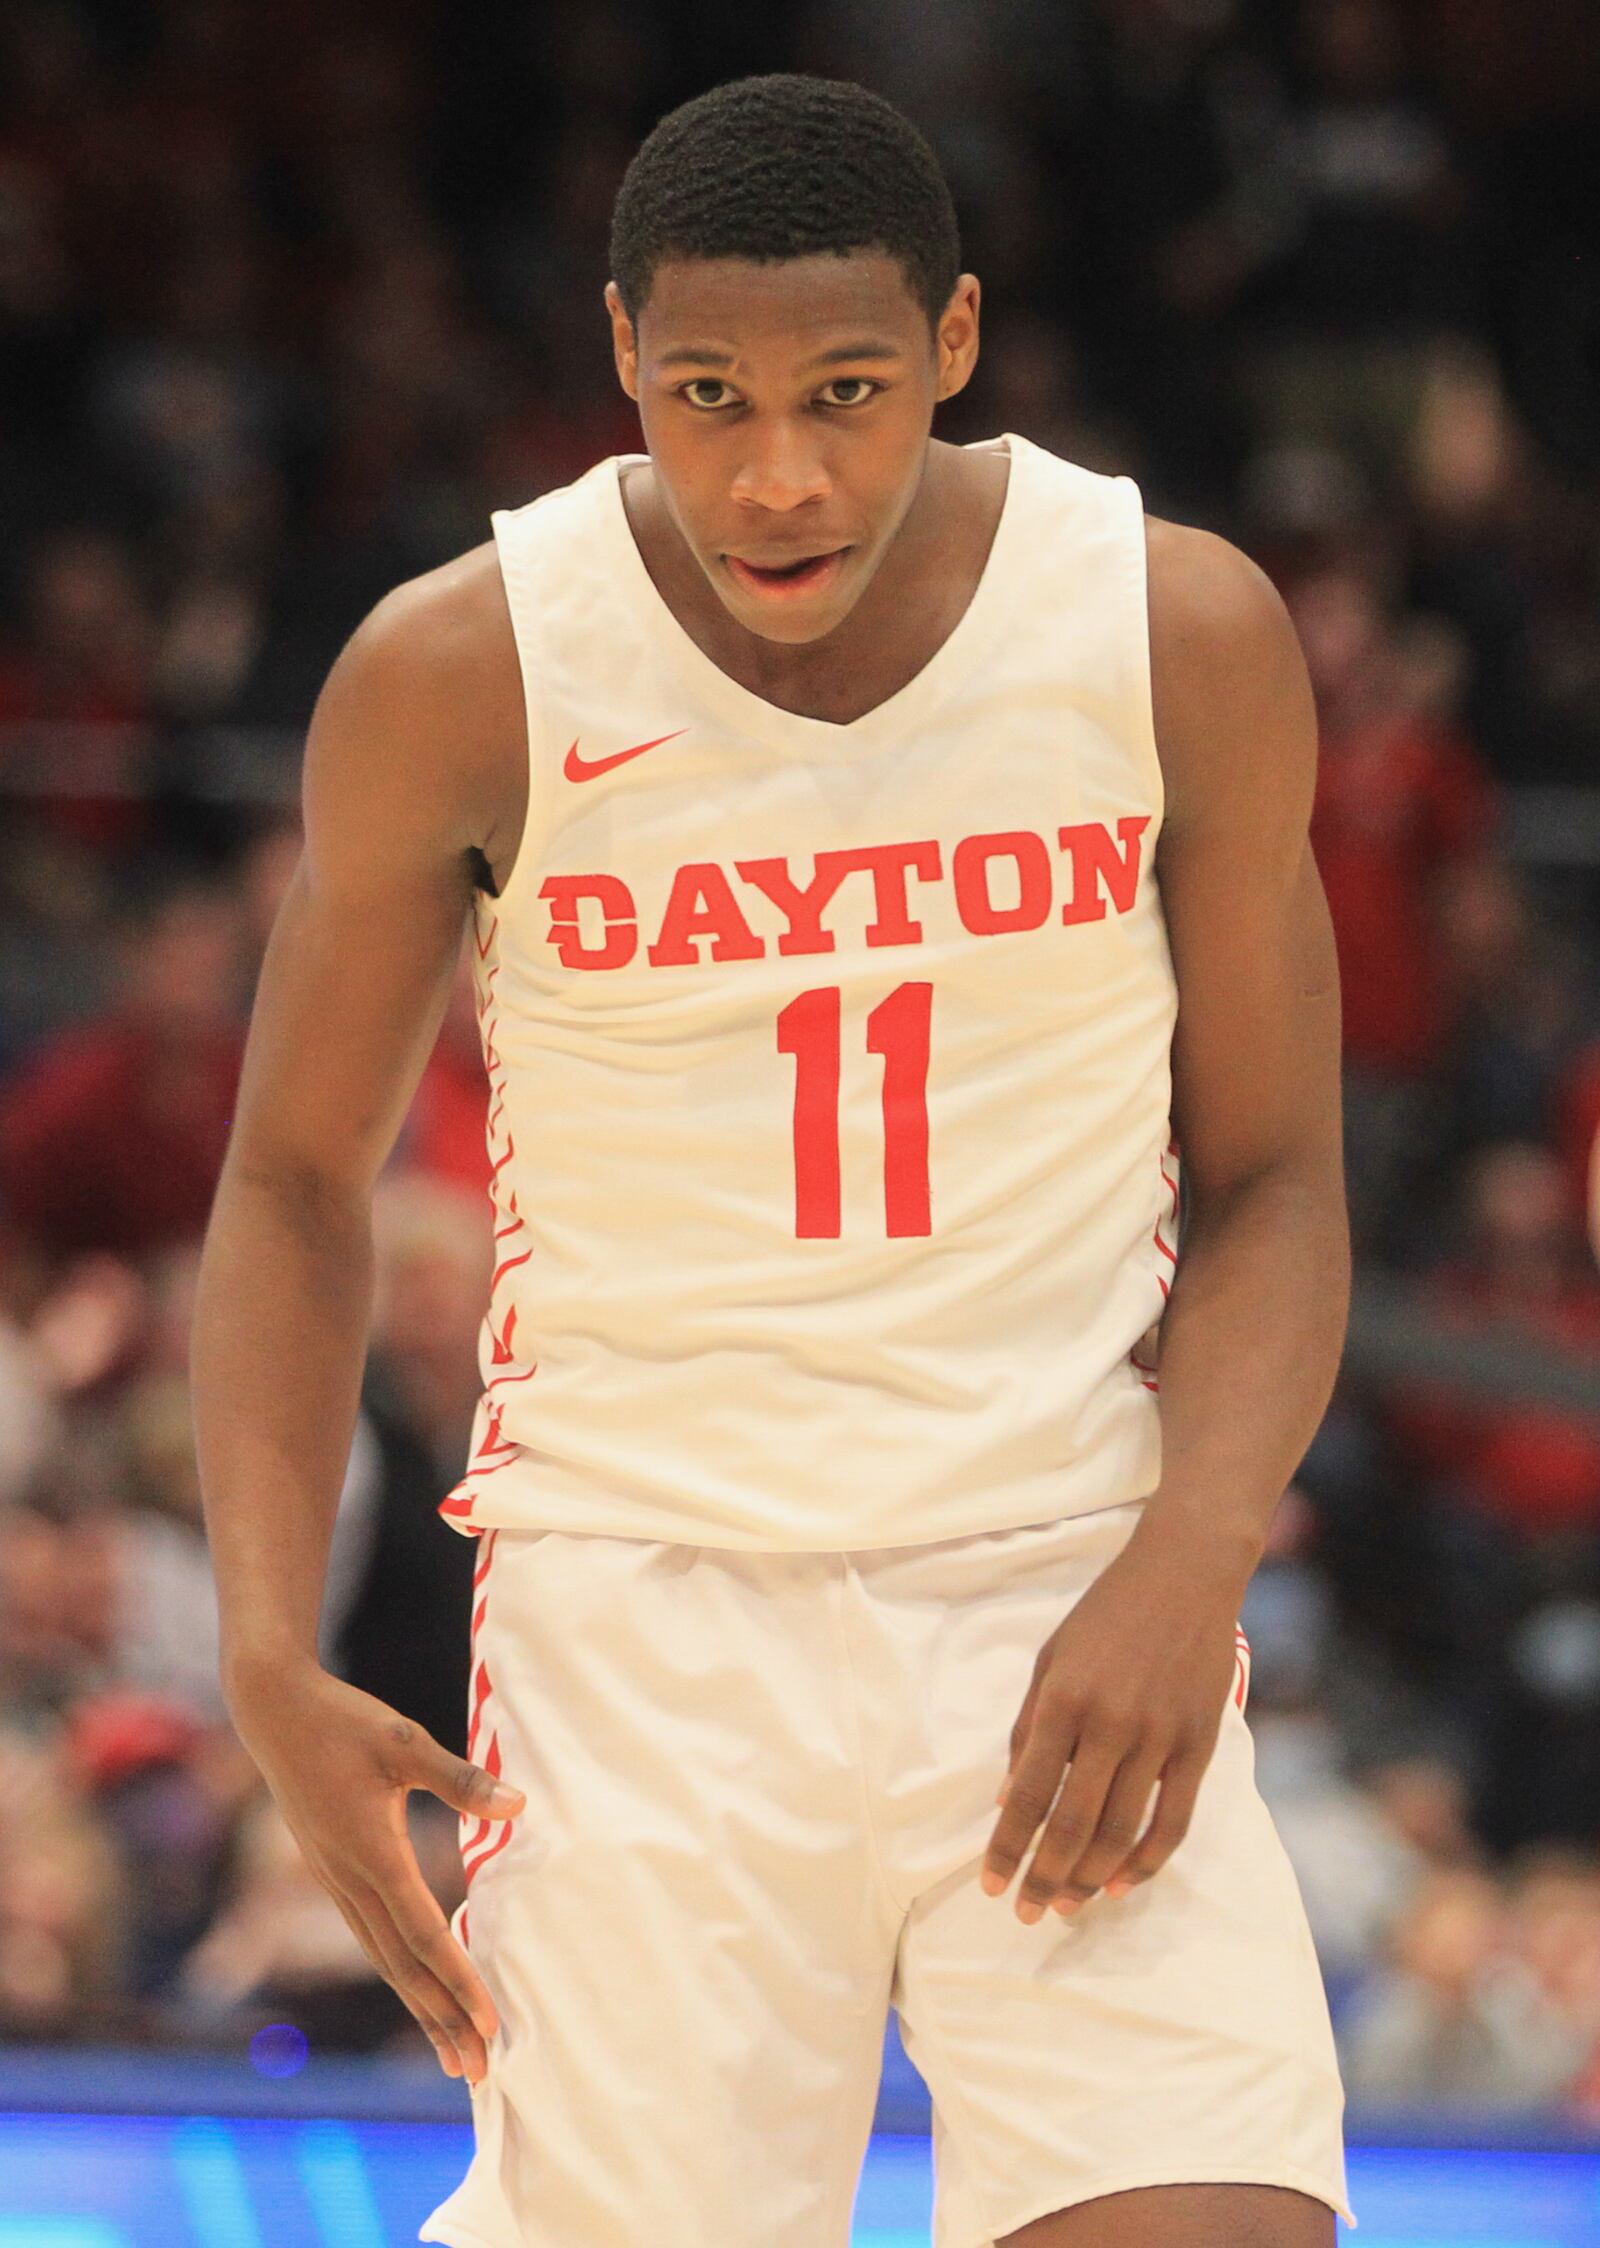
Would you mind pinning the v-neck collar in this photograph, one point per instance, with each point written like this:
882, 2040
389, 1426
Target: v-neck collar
973, 632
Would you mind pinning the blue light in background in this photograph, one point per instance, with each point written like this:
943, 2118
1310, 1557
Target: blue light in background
116, 2181
335, 2178
205, 2154
279, 2050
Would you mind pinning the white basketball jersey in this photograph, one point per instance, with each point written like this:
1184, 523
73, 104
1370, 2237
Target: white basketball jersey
835, 1193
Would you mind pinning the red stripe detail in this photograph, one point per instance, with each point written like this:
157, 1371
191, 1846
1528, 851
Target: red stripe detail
499, 1843
479, 1473
497, 1334
479, 1673
491, 1764
1169, 1253
510, 1265
479, 1695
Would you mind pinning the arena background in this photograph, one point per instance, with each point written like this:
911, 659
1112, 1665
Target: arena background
291, 295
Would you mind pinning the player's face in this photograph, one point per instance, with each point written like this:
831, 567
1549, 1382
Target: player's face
787, 408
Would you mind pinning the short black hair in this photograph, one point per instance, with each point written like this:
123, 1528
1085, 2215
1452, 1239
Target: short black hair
785, 166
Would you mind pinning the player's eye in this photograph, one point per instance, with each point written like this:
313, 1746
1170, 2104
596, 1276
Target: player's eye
701, 383
860, 384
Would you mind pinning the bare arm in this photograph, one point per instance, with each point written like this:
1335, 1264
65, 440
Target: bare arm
350, 996
1251, 1339
399, 785
1128, 1691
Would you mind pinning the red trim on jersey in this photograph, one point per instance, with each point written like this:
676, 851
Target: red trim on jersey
494, 1450
475, 1833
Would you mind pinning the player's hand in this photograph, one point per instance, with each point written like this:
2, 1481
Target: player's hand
340, 1765
1127, 1697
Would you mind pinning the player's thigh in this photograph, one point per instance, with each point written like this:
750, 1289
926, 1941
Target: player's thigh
1169, 2038
1210, 2216
684, 1944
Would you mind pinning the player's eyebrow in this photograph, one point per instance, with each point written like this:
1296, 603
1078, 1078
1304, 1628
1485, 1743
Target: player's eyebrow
870, 347
708, 355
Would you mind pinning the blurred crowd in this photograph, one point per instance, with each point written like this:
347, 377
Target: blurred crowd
290, 297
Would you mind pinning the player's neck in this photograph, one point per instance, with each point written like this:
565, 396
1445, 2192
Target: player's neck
917, 596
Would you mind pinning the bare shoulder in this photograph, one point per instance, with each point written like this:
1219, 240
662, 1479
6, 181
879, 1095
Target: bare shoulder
446, 620
421, 718
1232, 701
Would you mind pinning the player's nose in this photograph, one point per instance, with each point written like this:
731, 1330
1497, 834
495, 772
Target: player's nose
781, 469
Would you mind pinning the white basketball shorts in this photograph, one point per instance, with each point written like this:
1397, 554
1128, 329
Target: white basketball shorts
760, 1787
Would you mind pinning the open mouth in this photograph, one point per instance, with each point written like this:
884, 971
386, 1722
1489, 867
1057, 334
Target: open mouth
808, 575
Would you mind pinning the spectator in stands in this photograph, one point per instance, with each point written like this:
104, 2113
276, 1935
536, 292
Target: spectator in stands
82, 656
112, 1134
1380, 200
404, 1634
1354, 1866
280, 1950
1522, 1270
1486, 511
1402, 800
61, 1903
29, 1420
1554, 1931
1521, 1004
75, 688
1365, 222
1577, 1103
1455, 2018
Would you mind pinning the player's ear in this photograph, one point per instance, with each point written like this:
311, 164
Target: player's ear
624, 344
955, 339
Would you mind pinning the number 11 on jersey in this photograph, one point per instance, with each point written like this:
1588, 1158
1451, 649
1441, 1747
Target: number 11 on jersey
898, 1029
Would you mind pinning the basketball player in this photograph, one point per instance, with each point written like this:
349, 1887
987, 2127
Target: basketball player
880, 857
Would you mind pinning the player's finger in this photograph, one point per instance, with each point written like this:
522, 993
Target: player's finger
449, 2058
1030, 1794
465, 1786
422, 1925
1126, 1809
423, 1929
1069, 1828
1020, 1732
1180, 1785
419, 1986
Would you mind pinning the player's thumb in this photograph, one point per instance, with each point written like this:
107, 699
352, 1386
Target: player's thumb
467, 1788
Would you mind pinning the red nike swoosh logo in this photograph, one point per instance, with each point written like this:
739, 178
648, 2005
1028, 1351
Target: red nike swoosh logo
584, 769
